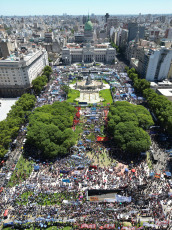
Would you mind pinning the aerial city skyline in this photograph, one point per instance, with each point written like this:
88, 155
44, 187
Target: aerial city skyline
85, 115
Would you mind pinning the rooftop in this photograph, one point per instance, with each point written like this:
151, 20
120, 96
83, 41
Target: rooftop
21, 56
5, 106
166, 92
165, 82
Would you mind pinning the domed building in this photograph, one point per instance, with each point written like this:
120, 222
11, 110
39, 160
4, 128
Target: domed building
89, 52
88, 31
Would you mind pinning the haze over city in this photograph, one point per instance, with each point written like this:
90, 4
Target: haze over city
77, 7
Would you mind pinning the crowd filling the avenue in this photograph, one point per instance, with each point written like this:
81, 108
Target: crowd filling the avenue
87, 165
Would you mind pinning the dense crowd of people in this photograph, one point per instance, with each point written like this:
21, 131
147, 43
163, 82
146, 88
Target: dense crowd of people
78, 189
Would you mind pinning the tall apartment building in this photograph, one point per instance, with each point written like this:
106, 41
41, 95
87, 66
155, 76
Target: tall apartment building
18, 71
152, 62
6, 47
113, 21
48, 37
133, 30
122, 38
159, 63
168, 33
106, 17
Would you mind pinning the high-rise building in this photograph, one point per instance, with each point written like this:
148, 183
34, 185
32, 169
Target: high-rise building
133, 29
6, 47
168, 33
162, 18
111, 22
158, 63
106, 17
48, 37
84, 19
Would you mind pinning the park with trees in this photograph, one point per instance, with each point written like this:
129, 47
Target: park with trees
50, 129
128, 124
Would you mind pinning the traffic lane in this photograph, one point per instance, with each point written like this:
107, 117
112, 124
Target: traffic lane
11, 162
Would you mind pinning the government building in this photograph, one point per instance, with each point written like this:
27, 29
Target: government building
19, 70
89, 52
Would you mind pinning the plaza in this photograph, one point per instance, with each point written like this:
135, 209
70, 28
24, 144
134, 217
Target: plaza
66, 190
89, 90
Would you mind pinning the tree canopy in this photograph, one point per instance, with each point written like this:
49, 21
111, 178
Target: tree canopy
50, 129
15, 118
115, 46
39, 82
139, 84
48, 69
127, 123
161, 107
131, 138
158, 104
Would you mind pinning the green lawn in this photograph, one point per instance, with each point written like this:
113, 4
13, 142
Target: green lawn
106, 95
105, 82
46, 199
72, 95
92, 126
102, 159
91, 136
101, 131
74, 81
149, 162
49, 228
55, 228
22, 171
78, 131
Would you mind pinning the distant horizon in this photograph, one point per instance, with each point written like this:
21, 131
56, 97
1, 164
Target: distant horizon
63, 14
76, 7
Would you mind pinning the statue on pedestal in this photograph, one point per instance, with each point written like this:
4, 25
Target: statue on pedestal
88, 81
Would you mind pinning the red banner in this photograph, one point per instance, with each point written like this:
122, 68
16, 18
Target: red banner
102, 138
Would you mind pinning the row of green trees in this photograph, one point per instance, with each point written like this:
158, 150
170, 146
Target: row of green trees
50, 130
158, 104
15, 118
139, 84
127, 124
39, 83
115, 46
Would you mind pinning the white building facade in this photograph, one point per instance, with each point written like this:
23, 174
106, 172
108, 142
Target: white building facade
88, 54
159, 64
17, 73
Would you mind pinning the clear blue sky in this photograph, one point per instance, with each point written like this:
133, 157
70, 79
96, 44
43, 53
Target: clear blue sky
80, 7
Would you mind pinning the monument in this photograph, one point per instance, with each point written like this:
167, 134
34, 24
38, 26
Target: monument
89, 84
89, 90
88, 81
